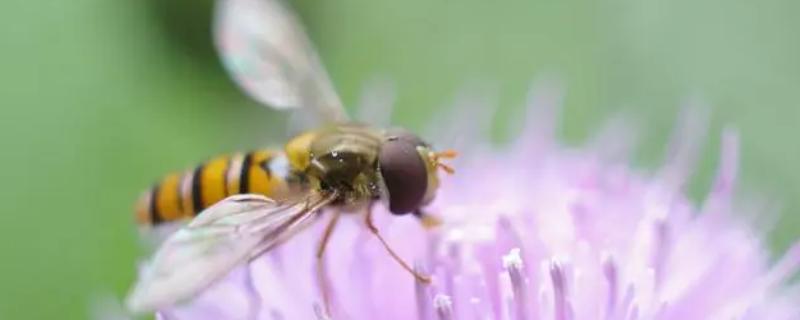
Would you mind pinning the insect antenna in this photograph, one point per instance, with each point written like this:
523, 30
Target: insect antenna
446, 154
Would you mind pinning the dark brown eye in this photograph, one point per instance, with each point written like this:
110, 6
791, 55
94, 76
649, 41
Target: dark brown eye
404, 174
405, 135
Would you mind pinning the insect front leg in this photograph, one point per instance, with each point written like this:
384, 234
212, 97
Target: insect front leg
374, 230
321, 274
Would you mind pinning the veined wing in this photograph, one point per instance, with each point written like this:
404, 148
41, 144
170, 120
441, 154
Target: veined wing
266, 51
220, 238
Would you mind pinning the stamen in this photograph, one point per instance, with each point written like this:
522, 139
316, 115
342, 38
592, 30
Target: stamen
610, 273
542, 110
506, 296
421, 294
472, 287
450, 266
443, 306
508, 234
163, 315
684, 145
729, 162
479, 308
319, 311
627, 300
633, 312
786, 267
512, 262
661, 248
275, 314
563, 310
725, 181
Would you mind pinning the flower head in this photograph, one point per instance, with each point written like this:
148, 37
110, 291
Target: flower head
535, 231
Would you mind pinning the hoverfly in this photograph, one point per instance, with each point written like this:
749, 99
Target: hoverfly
246, 204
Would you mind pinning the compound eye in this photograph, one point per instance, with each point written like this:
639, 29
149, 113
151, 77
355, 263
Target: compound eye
404, 175
407, 136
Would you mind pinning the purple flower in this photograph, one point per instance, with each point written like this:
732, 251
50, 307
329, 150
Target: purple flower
537, 231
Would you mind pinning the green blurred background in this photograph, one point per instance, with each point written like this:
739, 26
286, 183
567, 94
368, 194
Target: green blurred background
101, 97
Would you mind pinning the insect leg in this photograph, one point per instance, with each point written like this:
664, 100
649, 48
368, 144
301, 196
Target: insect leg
427, 220
321, 274
372, 228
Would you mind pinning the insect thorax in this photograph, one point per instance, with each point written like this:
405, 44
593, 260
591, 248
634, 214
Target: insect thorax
341, 158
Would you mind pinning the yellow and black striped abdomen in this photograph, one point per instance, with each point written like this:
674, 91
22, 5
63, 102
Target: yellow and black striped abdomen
183, 195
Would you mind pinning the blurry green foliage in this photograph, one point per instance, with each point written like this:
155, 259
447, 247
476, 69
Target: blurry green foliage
102, 97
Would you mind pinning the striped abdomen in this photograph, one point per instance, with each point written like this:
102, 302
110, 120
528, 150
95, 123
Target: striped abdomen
180, 196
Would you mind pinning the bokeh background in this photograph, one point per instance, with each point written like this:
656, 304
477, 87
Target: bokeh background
99, 98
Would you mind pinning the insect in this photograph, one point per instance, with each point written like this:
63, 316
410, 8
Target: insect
244, 205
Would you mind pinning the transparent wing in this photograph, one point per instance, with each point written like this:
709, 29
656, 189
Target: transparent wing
222, 237
266, 51
376, 102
